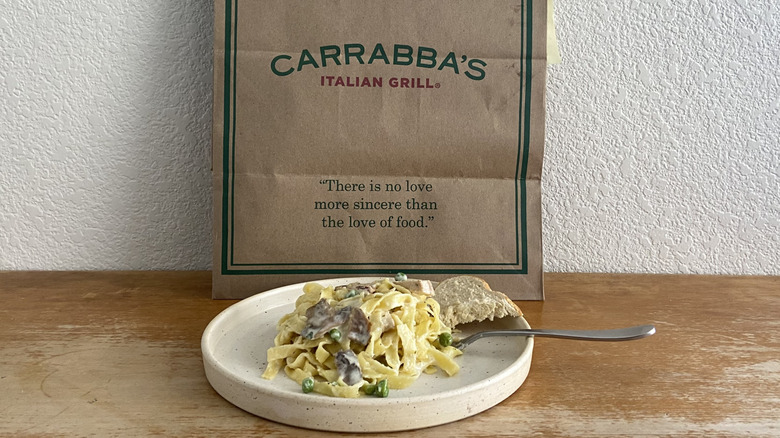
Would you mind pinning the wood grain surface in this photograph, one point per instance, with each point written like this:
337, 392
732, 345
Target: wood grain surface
118, 354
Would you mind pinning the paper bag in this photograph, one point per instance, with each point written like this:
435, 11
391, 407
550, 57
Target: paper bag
365, 138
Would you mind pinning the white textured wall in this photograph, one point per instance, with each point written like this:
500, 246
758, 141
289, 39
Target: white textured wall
663, 149
105, 131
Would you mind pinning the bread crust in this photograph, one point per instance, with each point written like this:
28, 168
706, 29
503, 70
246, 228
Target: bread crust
467, 298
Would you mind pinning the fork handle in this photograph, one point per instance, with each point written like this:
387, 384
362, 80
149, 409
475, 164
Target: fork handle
621, 334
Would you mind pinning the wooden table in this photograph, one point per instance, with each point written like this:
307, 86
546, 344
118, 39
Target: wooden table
118, 354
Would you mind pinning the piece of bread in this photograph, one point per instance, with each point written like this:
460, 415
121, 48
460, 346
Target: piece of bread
465, 299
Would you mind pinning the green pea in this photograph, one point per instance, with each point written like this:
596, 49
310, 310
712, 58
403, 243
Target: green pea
382, 390
445, 339
335, 334
400, 276
307, 385
369, 389
351, 293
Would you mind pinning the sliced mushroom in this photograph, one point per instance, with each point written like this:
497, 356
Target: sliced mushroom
417, 286
322, 317
358, 329
361, 287
348, 366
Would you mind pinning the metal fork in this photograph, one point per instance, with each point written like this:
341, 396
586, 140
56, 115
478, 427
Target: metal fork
621, 334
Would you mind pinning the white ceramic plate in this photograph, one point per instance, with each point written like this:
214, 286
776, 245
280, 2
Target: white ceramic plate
234, 356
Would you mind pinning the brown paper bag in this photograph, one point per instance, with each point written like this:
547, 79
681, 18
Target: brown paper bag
365, 138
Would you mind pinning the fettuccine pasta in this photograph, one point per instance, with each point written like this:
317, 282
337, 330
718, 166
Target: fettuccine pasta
348, 339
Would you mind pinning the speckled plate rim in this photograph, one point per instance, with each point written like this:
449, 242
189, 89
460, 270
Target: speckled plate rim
282, 401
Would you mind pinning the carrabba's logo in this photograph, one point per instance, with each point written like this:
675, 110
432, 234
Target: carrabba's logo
400, 54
